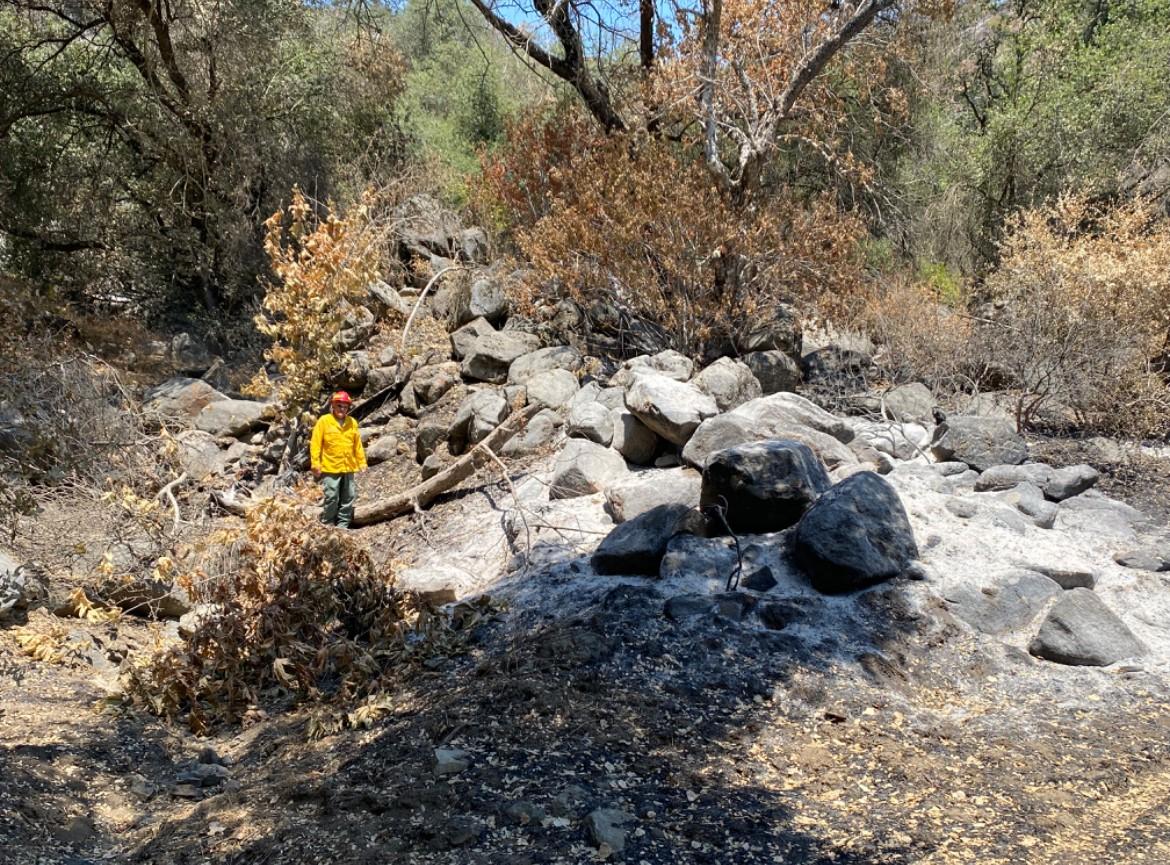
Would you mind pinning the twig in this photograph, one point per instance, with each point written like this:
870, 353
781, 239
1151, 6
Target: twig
418, 303
720, 510
168, 491
515, 498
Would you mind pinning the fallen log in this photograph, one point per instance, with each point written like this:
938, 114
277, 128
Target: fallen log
421, 495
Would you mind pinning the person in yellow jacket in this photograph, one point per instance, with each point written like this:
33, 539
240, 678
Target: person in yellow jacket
336, 452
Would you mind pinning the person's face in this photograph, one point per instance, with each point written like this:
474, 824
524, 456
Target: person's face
340, 410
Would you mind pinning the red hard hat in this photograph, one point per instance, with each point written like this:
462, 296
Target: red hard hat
341, 396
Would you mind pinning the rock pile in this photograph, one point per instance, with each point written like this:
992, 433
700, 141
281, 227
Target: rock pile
720, 472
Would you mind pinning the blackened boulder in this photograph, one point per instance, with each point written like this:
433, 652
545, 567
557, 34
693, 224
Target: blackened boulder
854, 535
638, 545
763, 486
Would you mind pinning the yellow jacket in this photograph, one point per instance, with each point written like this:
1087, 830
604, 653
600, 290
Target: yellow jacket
336, 448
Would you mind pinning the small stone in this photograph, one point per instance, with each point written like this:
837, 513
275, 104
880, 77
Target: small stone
688, 606
916, 571
962, 508
733, 605
75, 831
451, 761
778, 615
209, 755
607, 827
759, 579
431, 466
142, 788
1143, 560
204, 775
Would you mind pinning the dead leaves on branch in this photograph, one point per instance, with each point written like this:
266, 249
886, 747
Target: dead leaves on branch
304, 616
322, 267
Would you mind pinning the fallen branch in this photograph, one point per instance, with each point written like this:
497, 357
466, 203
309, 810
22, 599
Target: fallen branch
423, 494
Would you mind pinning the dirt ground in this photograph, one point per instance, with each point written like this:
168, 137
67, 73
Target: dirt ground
714, 742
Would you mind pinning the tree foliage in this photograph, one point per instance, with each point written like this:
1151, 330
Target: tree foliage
1022, 101
689, 204
143, 144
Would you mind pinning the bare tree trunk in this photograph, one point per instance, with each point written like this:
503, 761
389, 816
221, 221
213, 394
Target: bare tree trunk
423, 494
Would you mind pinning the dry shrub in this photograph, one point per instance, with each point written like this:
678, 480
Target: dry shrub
1077, 317
1084, 308
65, 418
636, 230
922, 338
322, 267
304, 614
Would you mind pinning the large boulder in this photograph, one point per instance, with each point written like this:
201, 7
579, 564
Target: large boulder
638, 545
355, 374
232, 417
1029, 500
1080, 630
667, 363
910, 403
836, 364
384, 448
762, 486
190, 356
356, 329
679, 486
385, 300
554, 388
980, 442
671, 408
854, 535
631, 438
145, 596
425, 228
487, 298
473, 245
475, 418
1005, 477
780, 332
199, 454
1064, 483
903, 441
534, 363
776, 371
794, 408
729, 382
463, 339
590, 420
180, 398
536, 435
20, 586
584, 468
492, 354
779, 416
1008, 604
431, 382
1144, 558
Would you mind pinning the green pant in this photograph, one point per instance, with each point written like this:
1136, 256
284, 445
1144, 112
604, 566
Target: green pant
340, 493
